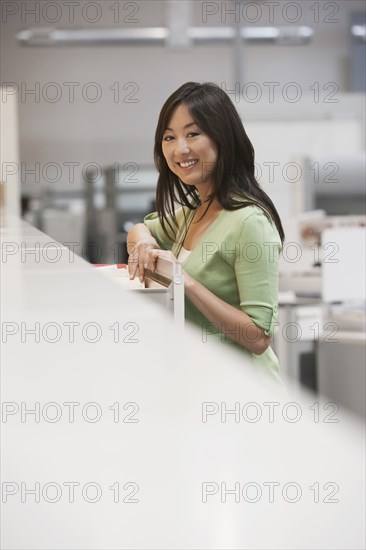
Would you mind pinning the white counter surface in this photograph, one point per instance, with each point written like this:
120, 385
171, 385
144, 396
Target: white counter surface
146, 470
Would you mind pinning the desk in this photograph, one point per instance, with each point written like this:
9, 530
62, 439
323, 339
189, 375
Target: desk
300, 320
341, 369
336, 357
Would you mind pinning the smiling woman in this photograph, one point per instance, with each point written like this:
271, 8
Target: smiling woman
213, 216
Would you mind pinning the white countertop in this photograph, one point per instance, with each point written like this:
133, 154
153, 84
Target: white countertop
141, 369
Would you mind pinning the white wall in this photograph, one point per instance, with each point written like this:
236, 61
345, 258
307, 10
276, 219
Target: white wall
9, 155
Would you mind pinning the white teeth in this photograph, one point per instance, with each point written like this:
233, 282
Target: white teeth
188, 163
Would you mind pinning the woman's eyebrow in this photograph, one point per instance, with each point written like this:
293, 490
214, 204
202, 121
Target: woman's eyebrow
184, 127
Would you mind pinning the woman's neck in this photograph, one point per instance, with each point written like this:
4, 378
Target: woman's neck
204, 201
204, 191
209, 207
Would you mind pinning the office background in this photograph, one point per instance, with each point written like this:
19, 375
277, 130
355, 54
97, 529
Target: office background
106, 131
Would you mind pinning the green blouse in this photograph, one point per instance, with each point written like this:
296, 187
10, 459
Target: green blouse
237, 259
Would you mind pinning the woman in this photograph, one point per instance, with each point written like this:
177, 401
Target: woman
227, 232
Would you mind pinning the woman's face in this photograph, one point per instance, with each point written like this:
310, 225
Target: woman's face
188, 151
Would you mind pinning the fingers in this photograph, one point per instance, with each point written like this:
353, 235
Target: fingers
133, 263
153, 256
141, 266
136, 263
142, 258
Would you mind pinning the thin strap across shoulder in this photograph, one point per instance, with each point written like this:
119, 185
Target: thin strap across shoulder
182, 231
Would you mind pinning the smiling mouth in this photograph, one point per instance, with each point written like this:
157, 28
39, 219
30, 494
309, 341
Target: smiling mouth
187, 163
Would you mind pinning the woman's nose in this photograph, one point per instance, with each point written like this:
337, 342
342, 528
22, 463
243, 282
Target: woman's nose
182, 146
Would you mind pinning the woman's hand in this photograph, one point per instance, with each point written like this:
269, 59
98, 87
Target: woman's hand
138, 259
153, 256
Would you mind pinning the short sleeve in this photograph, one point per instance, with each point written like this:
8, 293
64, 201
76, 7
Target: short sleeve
153, 223
257, 270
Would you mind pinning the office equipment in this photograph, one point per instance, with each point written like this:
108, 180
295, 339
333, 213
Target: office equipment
341, 360
322, 306
336, 183
343, 267
309, 251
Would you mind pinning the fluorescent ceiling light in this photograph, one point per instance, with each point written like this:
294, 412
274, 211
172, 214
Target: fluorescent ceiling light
51, 36
160, 35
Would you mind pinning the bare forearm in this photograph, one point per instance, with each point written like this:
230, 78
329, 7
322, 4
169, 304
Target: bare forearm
137, 233
235, 324
139, 242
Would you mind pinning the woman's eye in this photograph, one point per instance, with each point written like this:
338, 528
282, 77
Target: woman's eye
170, 138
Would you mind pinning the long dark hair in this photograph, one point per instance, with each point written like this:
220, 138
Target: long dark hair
233, 179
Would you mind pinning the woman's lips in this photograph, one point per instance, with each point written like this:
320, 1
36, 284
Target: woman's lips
186, 165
